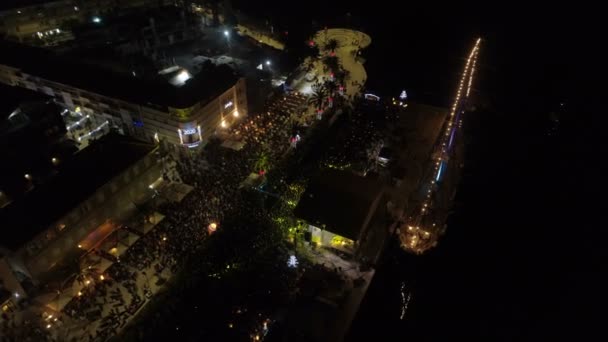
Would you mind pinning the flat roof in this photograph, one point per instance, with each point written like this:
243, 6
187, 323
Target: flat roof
13, 97
4, 295
76, 180
6, 5
340, 200
206, 85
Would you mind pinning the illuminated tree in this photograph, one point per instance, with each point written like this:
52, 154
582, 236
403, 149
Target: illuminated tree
263, 162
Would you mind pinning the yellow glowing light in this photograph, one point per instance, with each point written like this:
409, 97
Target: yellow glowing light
79, 293
79, 246
224, 124
101, 277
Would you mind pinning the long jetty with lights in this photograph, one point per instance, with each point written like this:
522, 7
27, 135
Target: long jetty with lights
424, 222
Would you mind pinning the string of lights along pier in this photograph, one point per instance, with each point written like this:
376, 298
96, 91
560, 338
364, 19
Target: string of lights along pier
415, 237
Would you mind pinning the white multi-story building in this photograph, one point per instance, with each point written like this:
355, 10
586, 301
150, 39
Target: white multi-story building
177, 107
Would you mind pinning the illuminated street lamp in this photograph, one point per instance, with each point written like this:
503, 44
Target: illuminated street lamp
268, 62
212, 227
226, 33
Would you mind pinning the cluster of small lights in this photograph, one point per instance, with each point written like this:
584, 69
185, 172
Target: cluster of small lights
77, 122
94, 130
473, 69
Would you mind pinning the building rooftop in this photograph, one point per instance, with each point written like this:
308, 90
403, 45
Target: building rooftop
6, 5
32, 132
339, 200
4, 295
76, 180
13, 97
13, 100
204, 86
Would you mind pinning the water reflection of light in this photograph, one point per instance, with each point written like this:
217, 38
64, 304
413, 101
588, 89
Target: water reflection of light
405, 300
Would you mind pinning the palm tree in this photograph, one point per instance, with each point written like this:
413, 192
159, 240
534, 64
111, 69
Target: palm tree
332, 63
332, 45
80, 274
318, 96
331, 88
341, 76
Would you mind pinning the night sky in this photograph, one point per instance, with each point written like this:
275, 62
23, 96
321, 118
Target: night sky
522, 256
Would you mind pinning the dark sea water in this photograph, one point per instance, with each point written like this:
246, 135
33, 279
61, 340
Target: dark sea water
521, 257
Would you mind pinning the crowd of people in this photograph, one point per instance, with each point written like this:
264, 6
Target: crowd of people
273, 128
358, 144
215, 176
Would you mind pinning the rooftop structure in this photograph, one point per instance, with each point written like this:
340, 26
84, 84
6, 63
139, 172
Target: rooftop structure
76, 180
184, 109
52, 66
340, 202
32, 140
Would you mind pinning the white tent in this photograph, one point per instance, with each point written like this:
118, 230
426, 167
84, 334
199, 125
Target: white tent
97, 261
